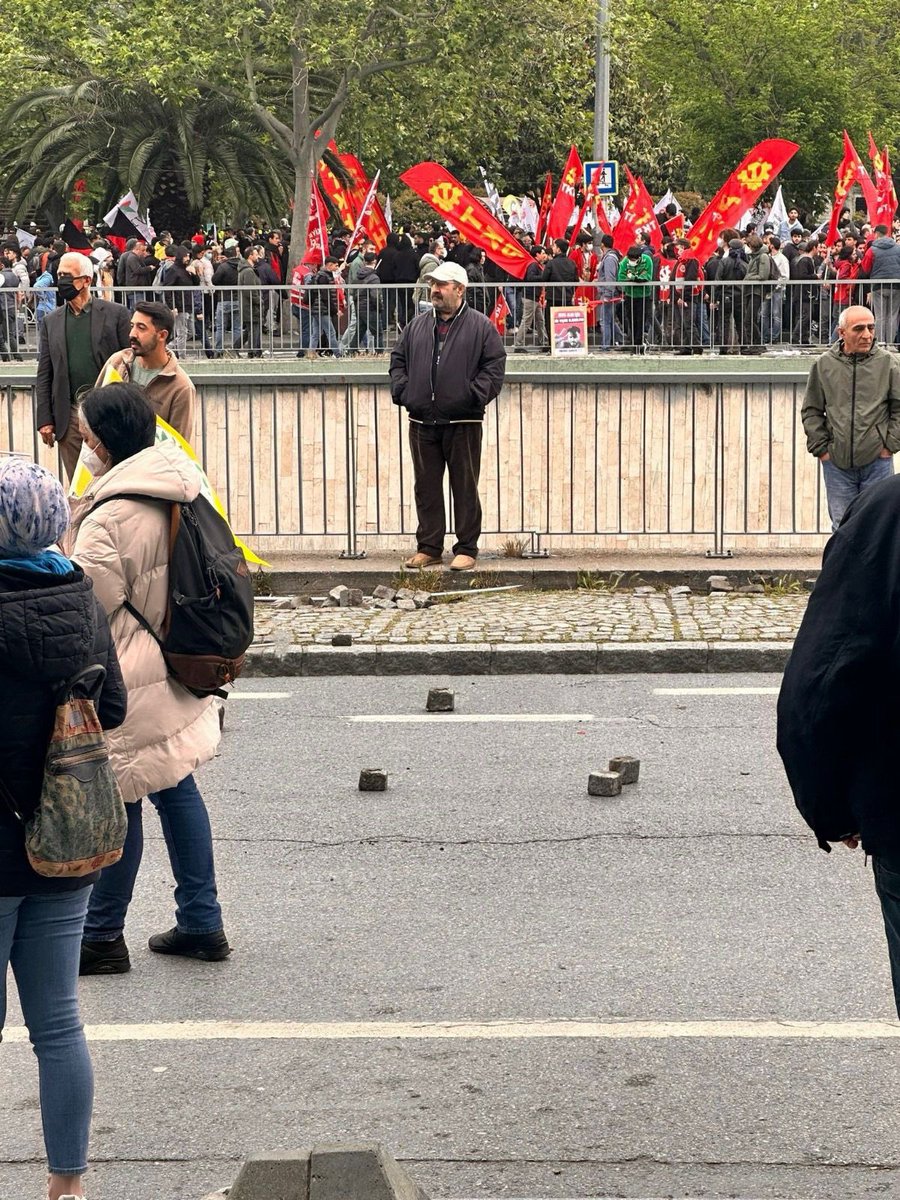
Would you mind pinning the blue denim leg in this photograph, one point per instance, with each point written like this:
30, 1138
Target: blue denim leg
185, 826
112, 892
313, 332
842, 486
40, 937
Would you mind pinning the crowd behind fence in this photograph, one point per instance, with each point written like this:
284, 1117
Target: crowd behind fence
669, 318
644, 462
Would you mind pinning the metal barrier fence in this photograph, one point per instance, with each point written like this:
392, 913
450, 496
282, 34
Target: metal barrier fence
680, 318
317, 464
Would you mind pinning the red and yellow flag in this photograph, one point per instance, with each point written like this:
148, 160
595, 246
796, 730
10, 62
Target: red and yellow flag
739, 192
637, 217
339, 195
317, 228
499, 313
885, 196
447, 196
564, 203
374, 224
850, 171
546, 201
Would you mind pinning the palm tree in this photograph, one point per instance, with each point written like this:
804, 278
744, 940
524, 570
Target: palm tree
167, 152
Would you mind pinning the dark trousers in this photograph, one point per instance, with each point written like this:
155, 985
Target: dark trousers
458, 449
887, 885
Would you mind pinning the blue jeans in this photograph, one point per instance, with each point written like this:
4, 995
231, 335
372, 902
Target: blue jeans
887, 885
844, 485
228, 313
321, 323
40, 937
188, 837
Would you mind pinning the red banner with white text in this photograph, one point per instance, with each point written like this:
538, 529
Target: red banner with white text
316, 229
448, 197
564, 203
637, 217
738, 193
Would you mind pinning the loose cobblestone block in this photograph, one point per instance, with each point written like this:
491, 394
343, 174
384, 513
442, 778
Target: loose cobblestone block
339, 595
372, 779
405, 594
440, 700
383, 592
719, 583
646, 591
355, 597
406, 605
422, 599
628, 768
342, 639
681, 590
383, 602
604, 783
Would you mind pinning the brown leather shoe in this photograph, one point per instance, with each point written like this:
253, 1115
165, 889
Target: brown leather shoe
421, 559
462, 562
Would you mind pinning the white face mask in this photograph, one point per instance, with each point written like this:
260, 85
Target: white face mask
93, 462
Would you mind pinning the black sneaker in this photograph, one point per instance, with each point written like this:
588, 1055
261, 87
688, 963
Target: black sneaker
210, 947
104, 958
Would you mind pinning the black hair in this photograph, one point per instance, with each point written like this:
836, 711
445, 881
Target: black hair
160, 314
121, 417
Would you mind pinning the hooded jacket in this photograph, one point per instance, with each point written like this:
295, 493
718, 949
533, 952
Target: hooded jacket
51, 627
839, 707
467, 377
852, 406
882, 260
123, 544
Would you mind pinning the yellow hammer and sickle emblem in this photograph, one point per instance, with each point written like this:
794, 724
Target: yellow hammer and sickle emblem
756, 175
445, 196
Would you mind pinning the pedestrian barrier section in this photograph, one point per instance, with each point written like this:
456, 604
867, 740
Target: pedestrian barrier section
318, 464
667, 317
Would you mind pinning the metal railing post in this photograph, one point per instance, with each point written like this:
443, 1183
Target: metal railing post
352, 550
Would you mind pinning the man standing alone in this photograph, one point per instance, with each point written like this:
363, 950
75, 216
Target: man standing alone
851, 411
445, 369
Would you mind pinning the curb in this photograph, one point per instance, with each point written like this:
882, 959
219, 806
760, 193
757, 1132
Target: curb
522, 658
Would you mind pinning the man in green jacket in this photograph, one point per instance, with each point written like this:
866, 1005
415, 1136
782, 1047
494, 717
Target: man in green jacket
851, 411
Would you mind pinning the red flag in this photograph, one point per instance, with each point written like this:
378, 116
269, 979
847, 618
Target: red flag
564, 204
374, 222
851, 171
546, 201
447, 196
499, 313
316, 229
588, 200
637, 216
674, 227
340, 196
738, 193
886, 197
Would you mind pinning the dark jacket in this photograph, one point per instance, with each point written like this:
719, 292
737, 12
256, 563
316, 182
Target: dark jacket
136, 271
839, 708
560, 269
226, 274
468, 378
368, 289
885, 259
852, 406
51, 626
110, 331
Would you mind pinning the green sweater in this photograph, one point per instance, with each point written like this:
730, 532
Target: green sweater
79, 352
634, 273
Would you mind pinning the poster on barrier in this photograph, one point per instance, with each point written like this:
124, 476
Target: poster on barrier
570, 333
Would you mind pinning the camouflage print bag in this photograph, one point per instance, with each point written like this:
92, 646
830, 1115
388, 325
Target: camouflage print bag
80, 822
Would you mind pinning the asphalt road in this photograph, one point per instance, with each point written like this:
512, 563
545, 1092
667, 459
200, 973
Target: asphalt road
486, 886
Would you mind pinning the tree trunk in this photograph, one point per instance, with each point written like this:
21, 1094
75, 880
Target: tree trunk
169, 208
304, 166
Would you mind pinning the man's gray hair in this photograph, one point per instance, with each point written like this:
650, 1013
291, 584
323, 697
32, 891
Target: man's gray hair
77, 264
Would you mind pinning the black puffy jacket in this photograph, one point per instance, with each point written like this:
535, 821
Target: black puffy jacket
51, 626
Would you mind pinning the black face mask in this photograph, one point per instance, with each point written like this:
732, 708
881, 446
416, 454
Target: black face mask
66, 289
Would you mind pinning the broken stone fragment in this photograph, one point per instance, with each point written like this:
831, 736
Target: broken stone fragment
383, 592
440, 700
406, 605
342, 639
354, 597
629, 768
720, 583
372, 779
604, 783
422, 599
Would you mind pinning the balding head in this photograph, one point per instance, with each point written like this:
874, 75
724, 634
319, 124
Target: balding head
856, 328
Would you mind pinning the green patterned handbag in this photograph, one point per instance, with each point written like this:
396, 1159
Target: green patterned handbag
80, 822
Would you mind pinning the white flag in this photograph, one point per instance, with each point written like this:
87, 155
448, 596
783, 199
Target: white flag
668, 198
493, 196
24, 238
387, 213
777, 214
529, 215
129, 206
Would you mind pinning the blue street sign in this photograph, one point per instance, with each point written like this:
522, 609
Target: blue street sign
608, 177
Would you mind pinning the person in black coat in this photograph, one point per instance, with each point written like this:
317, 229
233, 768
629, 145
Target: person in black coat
559, 270
51, 627
839, 707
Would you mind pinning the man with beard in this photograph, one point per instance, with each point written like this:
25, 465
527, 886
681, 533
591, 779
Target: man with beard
445, 369
76, 339
150, 364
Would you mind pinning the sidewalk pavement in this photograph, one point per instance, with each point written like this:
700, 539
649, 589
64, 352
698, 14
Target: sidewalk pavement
580, 631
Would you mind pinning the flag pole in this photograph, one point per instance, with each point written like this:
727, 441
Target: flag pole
601, 84
367, 204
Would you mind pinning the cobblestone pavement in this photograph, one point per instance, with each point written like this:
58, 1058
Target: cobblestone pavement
543, 616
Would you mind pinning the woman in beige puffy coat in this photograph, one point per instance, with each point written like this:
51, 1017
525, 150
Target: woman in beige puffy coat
121, 540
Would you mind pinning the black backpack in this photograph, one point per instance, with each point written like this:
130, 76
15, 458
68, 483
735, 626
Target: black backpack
208, 625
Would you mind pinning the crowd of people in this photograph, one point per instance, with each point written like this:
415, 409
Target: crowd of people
770, 285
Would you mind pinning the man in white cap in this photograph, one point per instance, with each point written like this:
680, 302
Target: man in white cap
445, 369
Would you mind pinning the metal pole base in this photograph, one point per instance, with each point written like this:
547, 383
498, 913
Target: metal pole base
534, 550
720, 554
352, 554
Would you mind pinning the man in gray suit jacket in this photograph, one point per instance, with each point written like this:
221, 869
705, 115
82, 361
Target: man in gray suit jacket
78, 338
